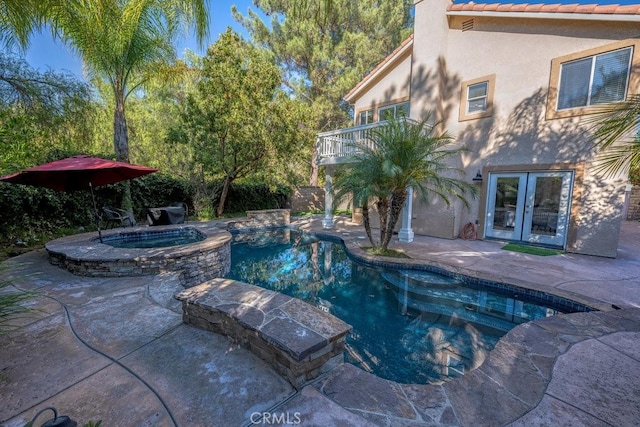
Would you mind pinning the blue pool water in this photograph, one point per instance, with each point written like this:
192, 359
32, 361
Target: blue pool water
408, 326
154, 239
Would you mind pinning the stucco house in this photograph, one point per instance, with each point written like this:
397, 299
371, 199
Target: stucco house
516, 85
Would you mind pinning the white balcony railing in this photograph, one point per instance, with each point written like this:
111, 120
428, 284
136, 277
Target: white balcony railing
338, 146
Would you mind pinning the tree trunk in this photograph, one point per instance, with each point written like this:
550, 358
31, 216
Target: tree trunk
121, 141
397, 202
383, 210
367, 224
313, 179
223, 195
120, 133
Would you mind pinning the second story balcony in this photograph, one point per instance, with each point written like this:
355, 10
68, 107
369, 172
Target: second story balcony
339, 146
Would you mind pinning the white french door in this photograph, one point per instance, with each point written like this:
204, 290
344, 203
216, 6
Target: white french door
529, 206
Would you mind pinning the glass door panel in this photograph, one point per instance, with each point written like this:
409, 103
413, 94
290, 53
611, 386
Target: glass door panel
547, 208
529, 206
505, 205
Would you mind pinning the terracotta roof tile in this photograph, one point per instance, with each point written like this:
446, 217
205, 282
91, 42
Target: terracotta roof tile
547, 8
631, 9
566, 8
603, 9
534, 7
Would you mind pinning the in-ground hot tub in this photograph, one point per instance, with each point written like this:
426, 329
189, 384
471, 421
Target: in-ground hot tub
198, 251
154, 239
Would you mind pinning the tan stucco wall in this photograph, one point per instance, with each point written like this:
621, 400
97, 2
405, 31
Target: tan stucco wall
390, 88
519, 52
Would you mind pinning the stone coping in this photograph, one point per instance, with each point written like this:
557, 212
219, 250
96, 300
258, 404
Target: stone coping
300, 341
512, 381
86, 246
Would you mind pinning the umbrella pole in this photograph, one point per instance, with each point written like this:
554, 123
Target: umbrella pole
95, 212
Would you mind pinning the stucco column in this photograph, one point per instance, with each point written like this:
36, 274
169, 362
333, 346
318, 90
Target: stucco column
327, 222
405, 235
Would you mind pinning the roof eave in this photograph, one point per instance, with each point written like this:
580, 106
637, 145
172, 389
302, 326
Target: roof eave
553, 15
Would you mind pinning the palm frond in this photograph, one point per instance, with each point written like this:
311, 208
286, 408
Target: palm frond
400, 154
615, 131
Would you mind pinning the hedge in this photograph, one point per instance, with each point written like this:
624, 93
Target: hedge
33, 209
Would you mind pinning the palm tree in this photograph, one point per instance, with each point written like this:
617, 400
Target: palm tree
125, 43
399, 154
18, 19
616, 134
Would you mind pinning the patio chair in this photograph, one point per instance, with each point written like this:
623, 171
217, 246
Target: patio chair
183, 206
114, 216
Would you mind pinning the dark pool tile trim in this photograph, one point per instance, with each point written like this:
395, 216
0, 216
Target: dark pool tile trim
564, 303
143, 235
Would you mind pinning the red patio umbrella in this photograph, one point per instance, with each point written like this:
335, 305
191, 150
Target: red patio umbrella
78, 173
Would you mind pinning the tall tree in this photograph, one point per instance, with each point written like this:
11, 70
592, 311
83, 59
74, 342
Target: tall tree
18, 19
125, 43
239, 120
400, 154
326, 47
40, 112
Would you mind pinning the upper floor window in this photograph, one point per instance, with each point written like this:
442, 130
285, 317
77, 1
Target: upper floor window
597, 79
394, 111
477, 98
581, 82
365, 117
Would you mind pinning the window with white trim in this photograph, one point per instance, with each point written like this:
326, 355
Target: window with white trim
477, 95
476, 98
365, 117
597, 79
394, 111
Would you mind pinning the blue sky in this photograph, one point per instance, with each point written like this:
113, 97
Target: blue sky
45, 53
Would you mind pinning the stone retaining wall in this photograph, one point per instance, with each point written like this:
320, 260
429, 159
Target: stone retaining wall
307, 199
298, 340
262, 219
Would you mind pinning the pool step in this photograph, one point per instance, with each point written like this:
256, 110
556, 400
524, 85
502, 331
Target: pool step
459, 313
438, 287
423, 277
442, 295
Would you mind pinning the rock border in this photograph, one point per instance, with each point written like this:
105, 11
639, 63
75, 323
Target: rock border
511, 382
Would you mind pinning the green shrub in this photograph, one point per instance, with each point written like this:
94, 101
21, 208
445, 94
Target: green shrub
160, 190
30, 210
251, 196
29, 216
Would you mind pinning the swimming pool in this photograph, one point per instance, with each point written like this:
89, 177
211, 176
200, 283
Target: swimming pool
409, 326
